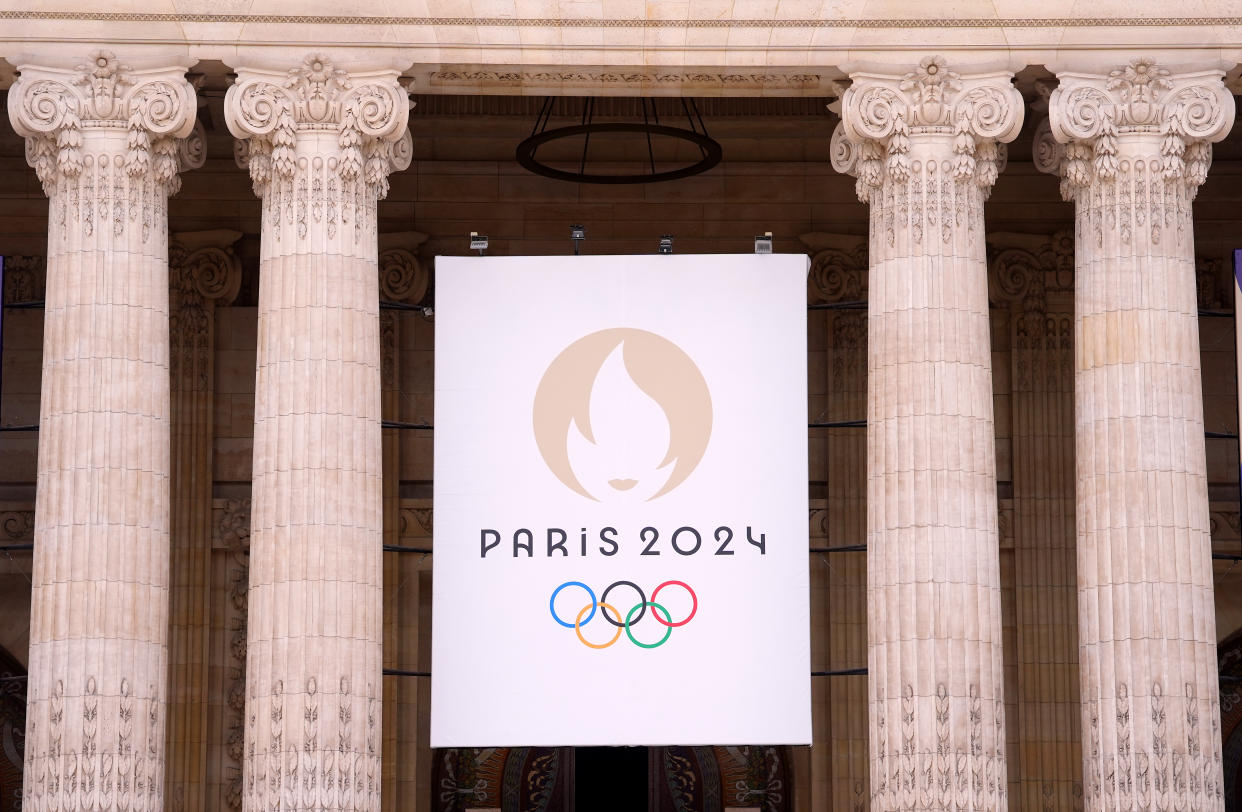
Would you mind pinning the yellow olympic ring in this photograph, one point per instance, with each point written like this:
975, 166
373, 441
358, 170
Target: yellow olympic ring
578, 625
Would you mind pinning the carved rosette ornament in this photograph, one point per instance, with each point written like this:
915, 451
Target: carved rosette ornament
321, 143
107, 142
1132, 148
926, 147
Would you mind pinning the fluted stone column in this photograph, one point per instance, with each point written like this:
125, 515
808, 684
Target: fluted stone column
321, 145
840, 767
204, 272
924, 147
1033, 276
103, 139
403, 279
1136, 147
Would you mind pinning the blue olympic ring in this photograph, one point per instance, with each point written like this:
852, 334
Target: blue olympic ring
552, 603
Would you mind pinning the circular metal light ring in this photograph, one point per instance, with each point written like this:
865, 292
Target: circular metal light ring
711, 152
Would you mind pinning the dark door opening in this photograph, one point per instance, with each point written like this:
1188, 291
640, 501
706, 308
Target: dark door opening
610, 778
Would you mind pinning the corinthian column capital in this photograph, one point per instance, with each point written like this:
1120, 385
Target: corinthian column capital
1172, 118
967, 115
52, 107
365, 113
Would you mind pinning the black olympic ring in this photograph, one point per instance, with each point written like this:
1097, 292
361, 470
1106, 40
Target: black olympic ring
642, 598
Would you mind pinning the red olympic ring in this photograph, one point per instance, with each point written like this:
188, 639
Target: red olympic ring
693, 597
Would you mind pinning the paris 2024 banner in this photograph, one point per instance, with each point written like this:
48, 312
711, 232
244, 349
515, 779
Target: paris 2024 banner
620, 502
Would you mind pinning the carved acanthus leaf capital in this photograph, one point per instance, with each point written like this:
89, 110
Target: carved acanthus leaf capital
368, 112
52, 107
1091, 114
880, 114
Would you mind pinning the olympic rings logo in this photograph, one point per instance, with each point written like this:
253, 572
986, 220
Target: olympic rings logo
623, 624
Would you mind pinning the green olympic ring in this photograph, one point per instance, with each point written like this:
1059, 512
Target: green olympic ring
668, 629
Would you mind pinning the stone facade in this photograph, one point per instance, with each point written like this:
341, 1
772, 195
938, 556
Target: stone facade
1019, 238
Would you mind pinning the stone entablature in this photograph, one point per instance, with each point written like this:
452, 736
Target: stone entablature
629, 48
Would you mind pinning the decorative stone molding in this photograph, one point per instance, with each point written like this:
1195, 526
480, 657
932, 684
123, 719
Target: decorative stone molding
416, 521
602, 79
402, 278
1207, 282
1041, 340
25, 278
203, 270
231, 524
17, 525
839, 274
321, 142
838, 267
880, 114
152, 109
231, 536
1093, 116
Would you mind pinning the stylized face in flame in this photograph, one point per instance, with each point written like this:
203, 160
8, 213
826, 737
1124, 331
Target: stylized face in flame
662, 373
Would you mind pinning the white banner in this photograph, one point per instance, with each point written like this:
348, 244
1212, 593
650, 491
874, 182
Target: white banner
620, 502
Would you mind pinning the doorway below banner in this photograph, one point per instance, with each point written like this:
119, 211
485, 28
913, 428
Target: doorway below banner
602, 779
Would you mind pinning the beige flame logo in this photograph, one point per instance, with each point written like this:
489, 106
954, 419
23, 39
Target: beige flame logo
658, 367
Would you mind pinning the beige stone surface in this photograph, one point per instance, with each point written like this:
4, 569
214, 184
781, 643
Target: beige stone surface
319, 150
661, 47
924, 147
103, 140
1132, 148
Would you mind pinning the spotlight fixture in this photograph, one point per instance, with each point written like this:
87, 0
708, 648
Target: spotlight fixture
478, 242
577, 234
666, 244
763, 243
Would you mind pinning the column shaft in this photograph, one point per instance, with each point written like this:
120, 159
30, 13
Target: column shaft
313, 702
934, 630
102, 139
1138, 147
